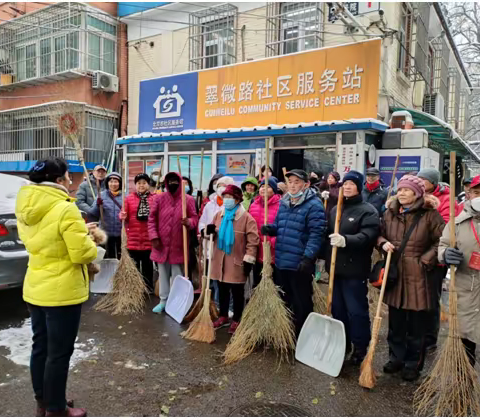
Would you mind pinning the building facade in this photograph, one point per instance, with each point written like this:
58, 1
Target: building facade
61, 59
419, 69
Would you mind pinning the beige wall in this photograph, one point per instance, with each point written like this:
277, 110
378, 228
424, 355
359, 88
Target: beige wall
170, 55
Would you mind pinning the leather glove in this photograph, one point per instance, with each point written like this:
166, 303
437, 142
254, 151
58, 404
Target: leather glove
306, 266
325, 195
156, 243
337, 240
99, 201
453, 256
211, 230
266, 230
247, 268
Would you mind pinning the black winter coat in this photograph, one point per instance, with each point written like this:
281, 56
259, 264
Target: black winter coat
360, 225
376, 198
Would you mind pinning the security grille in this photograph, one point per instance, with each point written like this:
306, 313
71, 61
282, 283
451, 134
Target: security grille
31, 133
454, 81
213, 37
293, 27
56, 40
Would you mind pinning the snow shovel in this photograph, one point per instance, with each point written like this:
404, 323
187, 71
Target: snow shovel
180, 298
322, 342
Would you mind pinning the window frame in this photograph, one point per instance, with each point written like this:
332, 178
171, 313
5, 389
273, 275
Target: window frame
405, 39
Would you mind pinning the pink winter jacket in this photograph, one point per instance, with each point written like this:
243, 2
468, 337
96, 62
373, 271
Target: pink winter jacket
164, 223
137, 230
257, 210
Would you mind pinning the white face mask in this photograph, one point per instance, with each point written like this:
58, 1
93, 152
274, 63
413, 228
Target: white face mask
220, 191
475, 202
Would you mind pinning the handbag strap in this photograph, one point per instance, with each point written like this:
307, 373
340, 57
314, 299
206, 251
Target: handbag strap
406, 237
112, 197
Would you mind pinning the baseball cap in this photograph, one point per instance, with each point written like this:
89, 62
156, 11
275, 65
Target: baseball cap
373, 172
467, 181
299, 173
98, 167
475, 181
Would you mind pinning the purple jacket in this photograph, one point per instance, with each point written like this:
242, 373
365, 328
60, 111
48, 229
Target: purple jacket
164, 223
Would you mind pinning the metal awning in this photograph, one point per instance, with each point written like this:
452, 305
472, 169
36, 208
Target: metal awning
441, 136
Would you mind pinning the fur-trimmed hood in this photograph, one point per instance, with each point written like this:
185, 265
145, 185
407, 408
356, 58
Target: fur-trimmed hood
428, 201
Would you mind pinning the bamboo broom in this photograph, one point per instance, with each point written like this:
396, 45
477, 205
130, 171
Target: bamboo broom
266, 320
201, 328
129, 291
452, 388
367, 377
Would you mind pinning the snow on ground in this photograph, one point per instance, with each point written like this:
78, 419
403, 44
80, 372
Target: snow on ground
18, 342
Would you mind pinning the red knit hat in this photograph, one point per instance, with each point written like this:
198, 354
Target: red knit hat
234, 191
413, 183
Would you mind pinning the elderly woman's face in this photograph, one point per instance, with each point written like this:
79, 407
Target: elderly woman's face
406, 196
113, 185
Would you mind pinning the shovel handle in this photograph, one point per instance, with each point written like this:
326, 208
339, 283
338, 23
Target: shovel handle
334, 253
384, 283
210, 252
185, 235
453, 240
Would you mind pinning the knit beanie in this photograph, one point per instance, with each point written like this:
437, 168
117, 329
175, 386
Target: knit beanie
226, 180
413, 183
145, 177
335, 174
234, 191
272, 182
356, 177
431, 175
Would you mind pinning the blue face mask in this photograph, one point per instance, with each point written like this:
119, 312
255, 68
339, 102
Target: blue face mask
187, 189
229, 203
299, 194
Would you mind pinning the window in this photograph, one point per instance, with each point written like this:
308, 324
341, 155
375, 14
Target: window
108, 56
60, 54
93, 52
212, 37
101, 25
405, 39
73, 52
45, 57
293, 27
31, 61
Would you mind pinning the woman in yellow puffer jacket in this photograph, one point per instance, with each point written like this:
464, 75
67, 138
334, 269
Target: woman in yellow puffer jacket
56, 284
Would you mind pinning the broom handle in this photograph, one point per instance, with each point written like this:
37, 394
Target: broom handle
204, 258
101, 205
384, 282
267, 157
210, 252
178, 164
201, 167
334, 252
393, 177
185, 236
159, 174
453, 240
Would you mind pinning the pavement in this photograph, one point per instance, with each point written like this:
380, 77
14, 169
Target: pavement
127, 366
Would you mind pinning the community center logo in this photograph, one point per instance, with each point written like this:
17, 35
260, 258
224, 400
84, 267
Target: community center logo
168, 105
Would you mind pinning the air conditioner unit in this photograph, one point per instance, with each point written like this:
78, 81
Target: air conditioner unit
434, 104
104, 81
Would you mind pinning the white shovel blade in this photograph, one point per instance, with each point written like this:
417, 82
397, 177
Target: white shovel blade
321, 344
102, 282
180, 298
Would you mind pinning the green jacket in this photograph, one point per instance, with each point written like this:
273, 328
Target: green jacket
248, 197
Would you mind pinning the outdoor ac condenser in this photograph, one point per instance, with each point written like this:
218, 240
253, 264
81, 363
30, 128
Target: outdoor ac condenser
104, 81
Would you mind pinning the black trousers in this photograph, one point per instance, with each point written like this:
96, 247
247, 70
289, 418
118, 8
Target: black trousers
114, 247
298, 291
433, 318
54, 332
238, 295
470, 348
144, 265
406, 336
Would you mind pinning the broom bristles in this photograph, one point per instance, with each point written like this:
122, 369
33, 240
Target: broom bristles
201, 328
129, 291
452, 388
368, 377
198, 304
265, 321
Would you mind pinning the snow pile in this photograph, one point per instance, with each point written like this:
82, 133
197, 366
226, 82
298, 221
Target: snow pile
18, 342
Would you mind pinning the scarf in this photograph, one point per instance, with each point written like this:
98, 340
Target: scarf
115, 193
219, 200
247, 199
143, 210
373, 187
226, 235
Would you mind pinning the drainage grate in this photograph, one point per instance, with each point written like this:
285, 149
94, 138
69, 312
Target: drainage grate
269, 410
